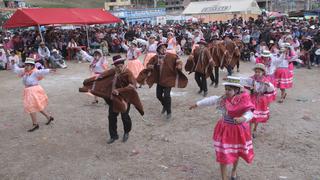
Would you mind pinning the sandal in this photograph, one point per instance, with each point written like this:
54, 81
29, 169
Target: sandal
35, 127
50, 119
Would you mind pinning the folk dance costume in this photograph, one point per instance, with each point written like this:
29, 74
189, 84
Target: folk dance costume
270, 67
201, 63
164, 69
231, 136
133, 63
151, 49
98, 66
284, 79
34, 97
118, 87
196, 39
260, 86
172, 43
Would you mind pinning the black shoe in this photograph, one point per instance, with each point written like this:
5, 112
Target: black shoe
215, 86
163, 110
168, 116
200, 91
205, 93
112, 140
50, 119
125, 137
35, 127
212, 83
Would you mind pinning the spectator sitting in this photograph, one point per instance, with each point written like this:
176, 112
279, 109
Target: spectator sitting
84, 55
13, 57
57, 60
72, 48
44, 54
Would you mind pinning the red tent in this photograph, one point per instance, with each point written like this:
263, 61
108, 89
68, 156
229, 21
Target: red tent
45, 16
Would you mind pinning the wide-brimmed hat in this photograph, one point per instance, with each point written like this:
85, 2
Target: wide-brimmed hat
161, 44
152, 36
202, 41
260, 66
134, 42
271, 42
286, 45
233, 81
30, 61
309, 37
266, 53
42, 43
117, 59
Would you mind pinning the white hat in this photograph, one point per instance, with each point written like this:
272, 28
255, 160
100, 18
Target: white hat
233, 81
260, 66
1, 45
29, 61
54, 50
317, 52
266, 53
286, 45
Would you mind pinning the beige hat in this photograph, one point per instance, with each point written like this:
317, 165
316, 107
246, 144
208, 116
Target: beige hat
233, 81
260, 66
55, 50
286, 45
29, 61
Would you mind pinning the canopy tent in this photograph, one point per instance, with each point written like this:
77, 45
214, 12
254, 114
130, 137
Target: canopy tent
222, 9
45, 16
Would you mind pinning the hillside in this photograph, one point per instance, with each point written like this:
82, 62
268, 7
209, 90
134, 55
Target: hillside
68, 3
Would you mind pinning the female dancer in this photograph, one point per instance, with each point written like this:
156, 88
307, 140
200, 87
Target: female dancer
34, 97
232, 136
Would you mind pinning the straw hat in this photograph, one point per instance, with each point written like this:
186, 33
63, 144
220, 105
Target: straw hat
260, 66
233, 81
266, 53
30, 61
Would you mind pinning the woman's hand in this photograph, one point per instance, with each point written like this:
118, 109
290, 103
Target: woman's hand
115, 92
193, 107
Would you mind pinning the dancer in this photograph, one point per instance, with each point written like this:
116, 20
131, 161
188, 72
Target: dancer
232, 136
34, 97
164, 69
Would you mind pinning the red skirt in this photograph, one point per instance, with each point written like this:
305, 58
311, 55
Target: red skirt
261, 113
232, 141
283, 78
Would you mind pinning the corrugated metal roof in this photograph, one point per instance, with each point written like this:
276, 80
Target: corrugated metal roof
222, 6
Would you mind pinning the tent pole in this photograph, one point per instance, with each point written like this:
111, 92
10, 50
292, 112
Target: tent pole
87, 36
40, 33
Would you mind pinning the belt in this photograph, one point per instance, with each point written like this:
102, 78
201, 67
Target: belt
27, 86
228, 119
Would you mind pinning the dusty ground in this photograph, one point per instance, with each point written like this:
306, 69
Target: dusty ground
74, 146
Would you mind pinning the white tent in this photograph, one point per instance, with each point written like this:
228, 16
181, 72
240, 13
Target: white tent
222, 9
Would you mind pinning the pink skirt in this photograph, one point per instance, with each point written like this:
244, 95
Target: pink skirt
232, 141
147, 58
261, 113
135, 66
291, 68
283, 78
34, 99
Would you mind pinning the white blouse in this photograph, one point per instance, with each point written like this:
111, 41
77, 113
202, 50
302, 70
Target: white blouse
32, 79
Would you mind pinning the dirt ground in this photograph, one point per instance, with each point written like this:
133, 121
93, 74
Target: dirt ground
74, 146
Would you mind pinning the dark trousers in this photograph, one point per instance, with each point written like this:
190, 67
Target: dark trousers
215, 78
163, 94
126, 120
201, 81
